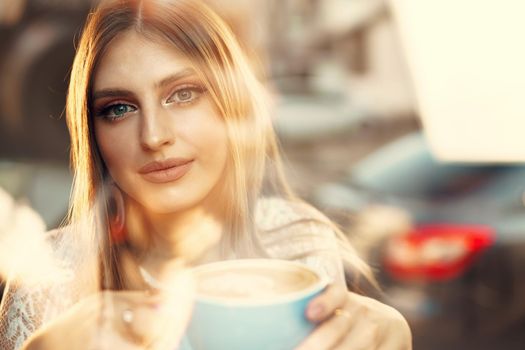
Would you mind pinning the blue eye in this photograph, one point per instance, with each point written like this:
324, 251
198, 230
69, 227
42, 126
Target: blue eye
116, 111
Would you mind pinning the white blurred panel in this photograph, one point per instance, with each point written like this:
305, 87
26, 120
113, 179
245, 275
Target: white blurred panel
467, 59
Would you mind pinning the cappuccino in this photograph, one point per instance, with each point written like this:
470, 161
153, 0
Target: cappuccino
251, 304
253, 280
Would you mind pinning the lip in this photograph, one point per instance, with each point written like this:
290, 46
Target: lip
164, 171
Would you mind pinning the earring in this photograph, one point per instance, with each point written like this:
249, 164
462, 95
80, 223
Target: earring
117, 216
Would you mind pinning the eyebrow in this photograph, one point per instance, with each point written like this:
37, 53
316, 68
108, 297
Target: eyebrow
187, 72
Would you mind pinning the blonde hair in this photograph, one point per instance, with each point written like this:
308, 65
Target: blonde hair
198, 33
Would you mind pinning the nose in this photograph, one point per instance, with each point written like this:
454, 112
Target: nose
156, 131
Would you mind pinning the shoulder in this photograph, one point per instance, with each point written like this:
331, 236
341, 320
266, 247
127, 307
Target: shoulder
71, 245
36, 293
282, 220
45, 260
274, 212
294, 230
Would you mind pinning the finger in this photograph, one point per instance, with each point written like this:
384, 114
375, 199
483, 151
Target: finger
362, 336
401, 340
160, 318
77, 326
177, 306
385, 326
109, 340
136, 319
397, 334
324, 305
83, 323
329, 333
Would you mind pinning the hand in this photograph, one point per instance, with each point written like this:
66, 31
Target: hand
128, 320
353, 322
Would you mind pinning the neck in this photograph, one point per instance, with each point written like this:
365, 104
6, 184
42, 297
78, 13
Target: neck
164, 240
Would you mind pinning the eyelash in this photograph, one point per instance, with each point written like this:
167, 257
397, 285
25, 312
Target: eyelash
105, 112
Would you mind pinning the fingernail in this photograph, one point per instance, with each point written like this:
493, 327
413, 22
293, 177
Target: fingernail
315, 312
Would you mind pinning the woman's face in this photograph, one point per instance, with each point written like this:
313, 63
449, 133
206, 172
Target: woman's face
159, 135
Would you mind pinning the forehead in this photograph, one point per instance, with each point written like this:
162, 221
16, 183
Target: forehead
132, 60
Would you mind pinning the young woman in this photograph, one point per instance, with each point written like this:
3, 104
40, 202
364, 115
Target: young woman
176, 164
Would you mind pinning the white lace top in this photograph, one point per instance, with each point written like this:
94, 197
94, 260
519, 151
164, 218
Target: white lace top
292, 231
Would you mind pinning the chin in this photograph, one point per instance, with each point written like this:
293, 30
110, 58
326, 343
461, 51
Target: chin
173, 198
171, 203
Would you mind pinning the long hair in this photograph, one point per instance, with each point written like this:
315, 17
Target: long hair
199, 34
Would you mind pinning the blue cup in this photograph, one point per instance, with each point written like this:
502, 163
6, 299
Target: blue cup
256, 304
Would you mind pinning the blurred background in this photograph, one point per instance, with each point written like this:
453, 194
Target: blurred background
447, 240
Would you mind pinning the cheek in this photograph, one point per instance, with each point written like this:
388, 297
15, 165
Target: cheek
206, 132
114, 146
214, 144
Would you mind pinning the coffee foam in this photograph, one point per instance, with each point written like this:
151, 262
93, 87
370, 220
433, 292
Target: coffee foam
252, 281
